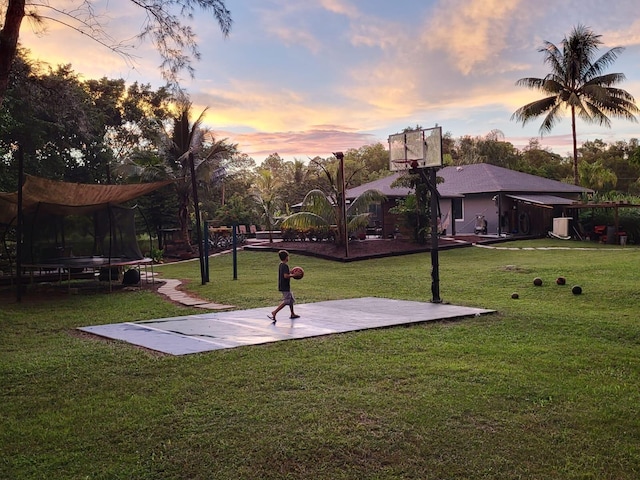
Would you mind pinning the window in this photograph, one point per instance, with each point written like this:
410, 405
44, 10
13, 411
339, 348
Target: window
456, 205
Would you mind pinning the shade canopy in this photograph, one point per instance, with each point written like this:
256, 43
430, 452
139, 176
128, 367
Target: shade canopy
63, 198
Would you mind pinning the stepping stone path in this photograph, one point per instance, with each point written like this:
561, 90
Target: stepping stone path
170, 290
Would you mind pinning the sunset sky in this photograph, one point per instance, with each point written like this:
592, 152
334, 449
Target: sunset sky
309, 77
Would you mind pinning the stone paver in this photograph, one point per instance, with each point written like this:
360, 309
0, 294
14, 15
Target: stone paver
170, 290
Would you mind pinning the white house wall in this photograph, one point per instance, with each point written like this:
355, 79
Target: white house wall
471, 207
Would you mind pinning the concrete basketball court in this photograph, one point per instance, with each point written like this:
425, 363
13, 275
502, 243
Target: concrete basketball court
220, 330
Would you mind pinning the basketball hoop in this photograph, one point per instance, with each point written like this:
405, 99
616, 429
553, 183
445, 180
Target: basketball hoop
413, 163
412, 149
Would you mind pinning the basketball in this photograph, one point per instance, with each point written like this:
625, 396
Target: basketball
297, 273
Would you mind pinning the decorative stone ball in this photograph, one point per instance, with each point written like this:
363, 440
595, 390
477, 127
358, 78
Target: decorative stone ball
576, 290
561, 281
515, 295
537, 281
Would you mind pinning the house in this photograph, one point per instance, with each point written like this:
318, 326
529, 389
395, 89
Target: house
510, 202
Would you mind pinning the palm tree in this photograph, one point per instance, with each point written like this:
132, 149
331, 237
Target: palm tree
322, 210
577, 83
265, 193
172, 160
596, 176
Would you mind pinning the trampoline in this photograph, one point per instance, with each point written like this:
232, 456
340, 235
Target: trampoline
69, 228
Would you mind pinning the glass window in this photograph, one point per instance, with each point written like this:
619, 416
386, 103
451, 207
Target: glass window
458, 212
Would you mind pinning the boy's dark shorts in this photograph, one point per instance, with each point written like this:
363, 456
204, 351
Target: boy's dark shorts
288, 298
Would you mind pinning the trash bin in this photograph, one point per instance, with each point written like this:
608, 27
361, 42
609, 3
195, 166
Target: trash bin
623, 240
611, 236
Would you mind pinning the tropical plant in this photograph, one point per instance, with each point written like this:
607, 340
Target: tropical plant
265, 194
596, 176
616, 157
234, 211
579, 84
173, 160
323, 210
415, 209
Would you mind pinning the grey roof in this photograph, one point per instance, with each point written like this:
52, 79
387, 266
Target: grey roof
476, 178
543, 199
383, 185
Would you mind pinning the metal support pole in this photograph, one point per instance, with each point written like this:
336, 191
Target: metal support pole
499, 215
235, 251
196, 207
205, 235
343, 204
19, 226
435, 266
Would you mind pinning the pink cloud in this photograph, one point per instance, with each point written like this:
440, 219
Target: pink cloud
319, 141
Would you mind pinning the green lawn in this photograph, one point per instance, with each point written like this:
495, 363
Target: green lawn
547, 388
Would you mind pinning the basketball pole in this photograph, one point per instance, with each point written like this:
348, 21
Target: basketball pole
343, 204
399, 154
435, 263
428, 176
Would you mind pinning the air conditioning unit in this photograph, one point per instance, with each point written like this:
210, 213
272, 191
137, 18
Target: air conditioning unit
561, 226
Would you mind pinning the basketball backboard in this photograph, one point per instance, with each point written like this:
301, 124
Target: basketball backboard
419, 148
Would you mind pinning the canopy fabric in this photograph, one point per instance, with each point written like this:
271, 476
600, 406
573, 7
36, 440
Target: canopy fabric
63, 198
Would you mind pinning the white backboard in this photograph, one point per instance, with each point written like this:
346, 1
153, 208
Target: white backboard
419, 148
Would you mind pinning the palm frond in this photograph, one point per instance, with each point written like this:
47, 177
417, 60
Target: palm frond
601, 64
554, 58
362, 202
553, 85
317, 202
621, 108
534, 109
331, 178
590, 112
533, 83
551, 119
353, 174
305, 220
606, 80
358, 222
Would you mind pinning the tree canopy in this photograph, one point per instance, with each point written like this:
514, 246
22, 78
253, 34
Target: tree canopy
170, 33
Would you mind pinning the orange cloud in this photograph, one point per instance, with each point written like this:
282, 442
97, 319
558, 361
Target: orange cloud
471, 32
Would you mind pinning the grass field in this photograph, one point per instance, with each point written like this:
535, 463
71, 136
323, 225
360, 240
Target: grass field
547, 388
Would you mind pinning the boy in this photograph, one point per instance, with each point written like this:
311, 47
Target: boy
284, 286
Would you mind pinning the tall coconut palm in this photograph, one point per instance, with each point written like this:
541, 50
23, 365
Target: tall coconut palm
322, 210
579, 84
172, 159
